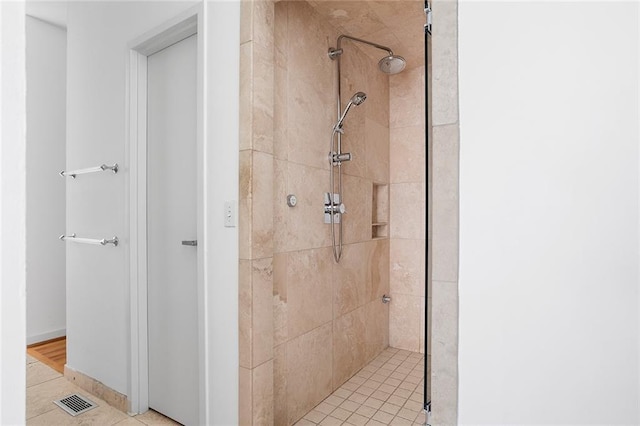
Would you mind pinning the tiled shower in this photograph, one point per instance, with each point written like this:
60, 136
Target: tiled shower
307, 323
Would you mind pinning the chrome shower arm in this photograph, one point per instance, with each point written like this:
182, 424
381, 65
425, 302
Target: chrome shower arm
338, 50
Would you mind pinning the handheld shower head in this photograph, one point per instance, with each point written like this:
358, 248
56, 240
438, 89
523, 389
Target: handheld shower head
356, 99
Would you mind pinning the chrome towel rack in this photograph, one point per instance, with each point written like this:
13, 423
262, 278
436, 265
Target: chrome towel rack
102, 242
101, 168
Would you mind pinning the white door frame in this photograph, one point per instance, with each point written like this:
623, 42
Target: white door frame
171, 32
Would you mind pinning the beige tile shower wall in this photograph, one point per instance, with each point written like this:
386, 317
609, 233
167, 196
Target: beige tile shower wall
255, 214
408, 209
328, 319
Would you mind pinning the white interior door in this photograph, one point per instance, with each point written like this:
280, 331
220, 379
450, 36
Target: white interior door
172, 223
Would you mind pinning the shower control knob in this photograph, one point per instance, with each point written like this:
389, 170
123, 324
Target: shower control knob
292, 200
335, 209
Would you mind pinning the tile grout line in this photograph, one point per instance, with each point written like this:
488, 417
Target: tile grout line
44, 381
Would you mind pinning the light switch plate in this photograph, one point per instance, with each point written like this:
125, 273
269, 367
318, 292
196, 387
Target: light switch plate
229, 214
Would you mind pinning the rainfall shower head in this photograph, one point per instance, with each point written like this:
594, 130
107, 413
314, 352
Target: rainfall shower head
356, 100
392, 64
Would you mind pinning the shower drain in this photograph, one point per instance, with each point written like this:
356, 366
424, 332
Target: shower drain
75, 404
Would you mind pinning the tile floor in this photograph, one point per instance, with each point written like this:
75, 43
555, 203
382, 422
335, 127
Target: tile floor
388, 391
44, 385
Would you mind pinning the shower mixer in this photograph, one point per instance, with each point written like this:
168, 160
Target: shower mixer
333, 206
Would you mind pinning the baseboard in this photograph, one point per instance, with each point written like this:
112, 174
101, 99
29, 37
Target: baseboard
43, 337
96, 388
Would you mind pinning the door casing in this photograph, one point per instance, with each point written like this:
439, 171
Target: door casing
172, 31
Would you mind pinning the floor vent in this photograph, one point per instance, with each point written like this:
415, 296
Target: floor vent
75, 404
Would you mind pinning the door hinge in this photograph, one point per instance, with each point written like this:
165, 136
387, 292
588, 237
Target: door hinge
428, 12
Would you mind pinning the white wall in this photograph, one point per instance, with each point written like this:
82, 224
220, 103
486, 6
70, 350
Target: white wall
12, 213
549, 213
46, 131
98, 325
222, 23
222, 105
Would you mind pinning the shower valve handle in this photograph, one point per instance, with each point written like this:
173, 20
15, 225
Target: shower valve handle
335, 209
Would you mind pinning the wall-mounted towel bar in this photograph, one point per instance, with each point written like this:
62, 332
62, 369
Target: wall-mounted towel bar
101, 168
103, 241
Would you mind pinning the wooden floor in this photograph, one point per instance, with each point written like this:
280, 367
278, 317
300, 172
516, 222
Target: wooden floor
52, 352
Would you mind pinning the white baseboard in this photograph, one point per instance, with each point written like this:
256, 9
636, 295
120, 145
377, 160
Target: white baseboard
37, 338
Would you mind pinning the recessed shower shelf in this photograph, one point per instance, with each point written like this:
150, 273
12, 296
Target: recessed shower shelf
379, 231
380, 211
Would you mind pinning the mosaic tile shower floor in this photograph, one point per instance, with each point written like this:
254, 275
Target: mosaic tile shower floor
388, 391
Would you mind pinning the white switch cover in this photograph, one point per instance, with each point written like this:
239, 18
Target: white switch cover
230, 214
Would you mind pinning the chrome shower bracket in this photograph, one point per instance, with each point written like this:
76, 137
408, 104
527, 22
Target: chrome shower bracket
334, 208
337, 159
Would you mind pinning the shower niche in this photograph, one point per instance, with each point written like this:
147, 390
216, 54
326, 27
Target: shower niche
380, 211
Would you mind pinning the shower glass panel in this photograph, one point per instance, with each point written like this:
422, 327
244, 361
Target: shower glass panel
428, 162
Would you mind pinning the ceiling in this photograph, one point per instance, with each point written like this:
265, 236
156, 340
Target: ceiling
397, 24
54, 12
